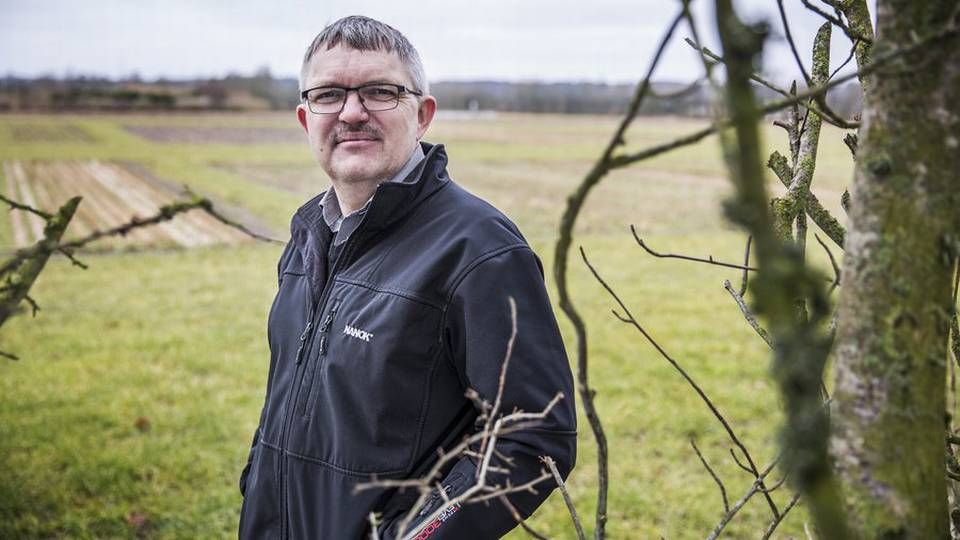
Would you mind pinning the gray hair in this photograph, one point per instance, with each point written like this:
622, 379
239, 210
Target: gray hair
366, 34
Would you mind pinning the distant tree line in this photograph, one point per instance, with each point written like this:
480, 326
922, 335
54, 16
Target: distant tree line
262, 91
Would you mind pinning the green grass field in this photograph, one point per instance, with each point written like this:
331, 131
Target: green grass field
141, 379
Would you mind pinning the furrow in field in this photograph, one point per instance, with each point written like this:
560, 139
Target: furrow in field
122, 206
189, 236
97, 208
26, 196
70, 182
187, 222
134, 195
17, 217
45, 181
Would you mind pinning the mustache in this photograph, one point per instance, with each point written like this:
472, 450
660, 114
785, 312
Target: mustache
347, 131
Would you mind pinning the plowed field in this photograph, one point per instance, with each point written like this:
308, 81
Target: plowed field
112, 194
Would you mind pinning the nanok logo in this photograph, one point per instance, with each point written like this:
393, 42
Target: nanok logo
357, 333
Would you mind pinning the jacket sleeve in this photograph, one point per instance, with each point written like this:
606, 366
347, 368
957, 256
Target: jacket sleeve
477, 330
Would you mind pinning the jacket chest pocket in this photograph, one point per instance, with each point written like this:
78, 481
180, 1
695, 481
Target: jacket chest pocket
374, 358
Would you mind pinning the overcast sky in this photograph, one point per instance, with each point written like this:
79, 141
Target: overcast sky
549, 40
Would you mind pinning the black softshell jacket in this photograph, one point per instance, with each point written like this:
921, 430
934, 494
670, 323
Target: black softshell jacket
370, 356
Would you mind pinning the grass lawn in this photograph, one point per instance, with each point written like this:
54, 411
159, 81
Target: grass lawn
141, 378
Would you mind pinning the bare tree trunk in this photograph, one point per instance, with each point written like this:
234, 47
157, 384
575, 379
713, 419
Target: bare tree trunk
895, 306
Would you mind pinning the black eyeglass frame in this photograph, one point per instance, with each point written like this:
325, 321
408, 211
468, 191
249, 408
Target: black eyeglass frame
401, 90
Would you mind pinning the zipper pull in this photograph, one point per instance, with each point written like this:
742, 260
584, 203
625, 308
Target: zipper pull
303, 339
325, 330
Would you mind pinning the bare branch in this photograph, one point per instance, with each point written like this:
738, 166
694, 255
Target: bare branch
76, 262
683, 373
801, 351
34, 307
793, 45
851, 33
566, 496
747, 313
833, 263
754, 488
14, 205
723, 490
777, 521
9, 356
746, 263
575, 202
740, 464
209, 208
519, 519
708, 260
21, 271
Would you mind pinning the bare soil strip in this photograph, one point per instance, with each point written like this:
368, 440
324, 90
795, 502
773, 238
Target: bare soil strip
139, 201
102, 206
112, 195
25, 195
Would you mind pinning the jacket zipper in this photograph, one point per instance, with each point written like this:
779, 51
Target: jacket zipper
325, 329
310, 377
298, 376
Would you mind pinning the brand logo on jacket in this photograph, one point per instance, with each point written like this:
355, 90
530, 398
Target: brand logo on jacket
357, 333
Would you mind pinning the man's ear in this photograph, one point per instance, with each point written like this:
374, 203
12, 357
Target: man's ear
428, 107
302, 113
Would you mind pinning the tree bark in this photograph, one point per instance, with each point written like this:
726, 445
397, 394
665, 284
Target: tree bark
895, 305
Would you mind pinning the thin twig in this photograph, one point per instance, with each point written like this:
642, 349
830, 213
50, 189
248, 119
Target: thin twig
777, 521
34, 307
708, 260
833, 263
746, 263
723, 490
14, 205
793, 45
853, 35
683, 373
755, 487
566, 496
740, 464
519, 519
711, 56
747, 313
9, 356
76, 262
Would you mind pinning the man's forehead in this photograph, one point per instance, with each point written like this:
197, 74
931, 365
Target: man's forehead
345, 65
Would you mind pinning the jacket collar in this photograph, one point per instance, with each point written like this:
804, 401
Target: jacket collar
391, 202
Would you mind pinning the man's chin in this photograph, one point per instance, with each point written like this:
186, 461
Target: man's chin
355, 171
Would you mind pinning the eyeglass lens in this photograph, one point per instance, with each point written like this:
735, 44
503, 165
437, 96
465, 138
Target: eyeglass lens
374, 98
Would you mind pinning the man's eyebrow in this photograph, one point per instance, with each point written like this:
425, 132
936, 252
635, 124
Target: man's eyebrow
339, 85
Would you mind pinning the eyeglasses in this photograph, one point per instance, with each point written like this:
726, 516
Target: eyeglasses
373, 97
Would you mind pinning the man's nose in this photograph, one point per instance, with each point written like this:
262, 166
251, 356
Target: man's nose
353, 110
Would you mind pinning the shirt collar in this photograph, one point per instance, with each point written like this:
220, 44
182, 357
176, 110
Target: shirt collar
333, 215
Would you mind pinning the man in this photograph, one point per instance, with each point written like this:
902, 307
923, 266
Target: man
393, 301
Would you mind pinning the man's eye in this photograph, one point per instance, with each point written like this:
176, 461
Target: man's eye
332, 95
383, 93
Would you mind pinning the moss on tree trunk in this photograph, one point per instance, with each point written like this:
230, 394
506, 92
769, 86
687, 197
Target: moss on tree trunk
891, 345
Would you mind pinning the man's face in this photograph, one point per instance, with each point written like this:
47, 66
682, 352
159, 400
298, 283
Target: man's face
356, 145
